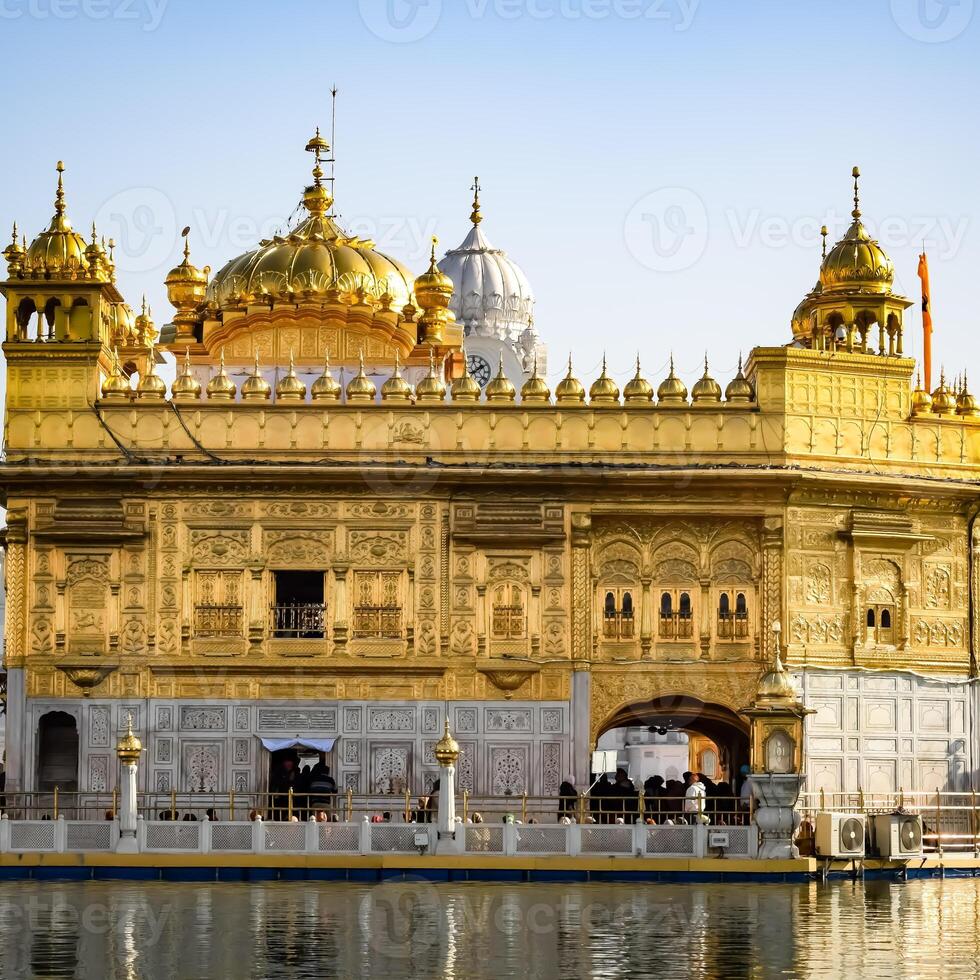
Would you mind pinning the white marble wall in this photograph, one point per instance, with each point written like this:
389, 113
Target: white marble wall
881, 732
508, 746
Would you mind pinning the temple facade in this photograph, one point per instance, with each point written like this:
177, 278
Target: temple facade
327, 529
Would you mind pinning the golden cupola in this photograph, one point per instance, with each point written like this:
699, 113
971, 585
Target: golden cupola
921, 399
638, 391
186, 289
255, 388
966, 402
604, 390
739, 390
14, 254
706, 390
59, 251
186, 387
361, 388
326, 388
221, 388
151, 387
857, 260
501, 388
570, 391
310, 260
431, 390
433, 292
290, 387
396, 388
466, 388
672, 391
535, 390
943, 400
116, 387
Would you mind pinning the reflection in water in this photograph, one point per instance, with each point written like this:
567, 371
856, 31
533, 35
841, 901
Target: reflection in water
125, 931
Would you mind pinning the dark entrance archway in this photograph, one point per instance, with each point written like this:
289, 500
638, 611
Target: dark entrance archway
727, 729
57, 752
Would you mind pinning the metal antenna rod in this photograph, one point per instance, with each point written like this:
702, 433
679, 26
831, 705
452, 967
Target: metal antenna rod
333, 143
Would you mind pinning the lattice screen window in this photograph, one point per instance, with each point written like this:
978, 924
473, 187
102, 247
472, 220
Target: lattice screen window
508, 619
617, 613
377, 604
218, 609
880, 622
733, 615
676, 614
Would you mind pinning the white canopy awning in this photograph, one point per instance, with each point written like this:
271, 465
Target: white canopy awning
316, 744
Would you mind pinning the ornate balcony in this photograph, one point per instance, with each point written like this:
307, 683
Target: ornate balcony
384, 622
213, 620
298, 620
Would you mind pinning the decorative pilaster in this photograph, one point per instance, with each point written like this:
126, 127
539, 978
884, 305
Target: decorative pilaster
646, 618
975, 599
16, 545
772, 584
257, 613
581, 599
340, 630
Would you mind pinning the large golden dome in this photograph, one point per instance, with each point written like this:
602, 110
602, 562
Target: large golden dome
857, 261
314, 258
60, 250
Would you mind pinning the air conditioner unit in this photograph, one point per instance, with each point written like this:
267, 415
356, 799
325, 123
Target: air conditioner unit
898, 835
840, 835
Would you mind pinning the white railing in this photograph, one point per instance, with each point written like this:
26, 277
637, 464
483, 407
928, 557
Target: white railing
364, 837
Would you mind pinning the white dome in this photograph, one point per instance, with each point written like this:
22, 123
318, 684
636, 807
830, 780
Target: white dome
492, 297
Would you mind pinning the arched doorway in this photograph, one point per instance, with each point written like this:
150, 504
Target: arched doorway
710, 728
57, 752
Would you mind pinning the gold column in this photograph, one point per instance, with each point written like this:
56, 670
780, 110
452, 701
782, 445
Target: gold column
16, 585
772, 584
340, 629
646, 617
581, 594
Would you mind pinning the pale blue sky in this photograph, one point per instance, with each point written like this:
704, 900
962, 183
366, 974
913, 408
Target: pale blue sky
597, 134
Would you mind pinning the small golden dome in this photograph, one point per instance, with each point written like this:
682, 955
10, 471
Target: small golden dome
431, 389
129, 747
535, 390
185, 387
221, 388
151, 385
672, 390
966, 403
446, 750
186, 283
739, 389
396, 388
116, 388
144, 327
857, 261
500, 388
921, 399
290, 387
58, 252
943, 402
776, 685
326, 388
433, 289
14, 254
706, 390
466, 388
638, 390
570, 390
255, 388
361, 388
604, 390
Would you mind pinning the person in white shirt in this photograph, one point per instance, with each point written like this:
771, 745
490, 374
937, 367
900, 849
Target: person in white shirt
695, 794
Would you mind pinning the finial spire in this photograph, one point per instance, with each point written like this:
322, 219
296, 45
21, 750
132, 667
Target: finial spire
856, 213
317, 146
823, 235
476, 217
59, 197
186, 234
432, 257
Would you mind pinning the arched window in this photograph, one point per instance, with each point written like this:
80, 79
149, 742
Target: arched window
677, 625
610, 606
666, 604
886, 619
627, 606
732, 625
724, 606
880, 623
741, 607
871, 619
685, 605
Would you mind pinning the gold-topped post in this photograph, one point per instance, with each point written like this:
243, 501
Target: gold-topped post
128, 751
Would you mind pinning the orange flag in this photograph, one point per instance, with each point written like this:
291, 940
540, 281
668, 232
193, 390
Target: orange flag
926, 322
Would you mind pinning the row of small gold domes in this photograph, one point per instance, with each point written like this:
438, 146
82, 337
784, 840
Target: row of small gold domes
945, 400
431, 389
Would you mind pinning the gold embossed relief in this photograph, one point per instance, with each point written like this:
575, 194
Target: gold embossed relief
87, 599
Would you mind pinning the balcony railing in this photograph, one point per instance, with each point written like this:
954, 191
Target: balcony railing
618, 626
676, 626
733, 626
218, 620
384, 622
299, 620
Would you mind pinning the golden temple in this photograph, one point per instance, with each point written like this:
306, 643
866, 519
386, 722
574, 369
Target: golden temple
340, 524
